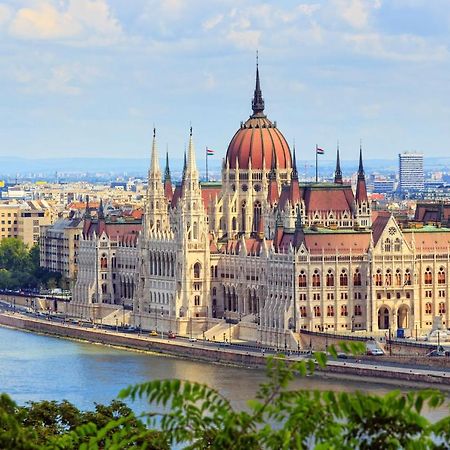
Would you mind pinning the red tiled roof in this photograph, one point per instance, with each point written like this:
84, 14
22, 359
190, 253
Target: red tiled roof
318, 243
428, 241
328, 198
209, 193
379, 224
258, 140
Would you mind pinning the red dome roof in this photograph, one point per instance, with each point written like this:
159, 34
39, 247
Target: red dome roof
259, 140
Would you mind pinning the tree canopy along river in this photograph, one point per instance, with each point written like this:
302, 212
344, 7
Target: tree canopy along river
38, 367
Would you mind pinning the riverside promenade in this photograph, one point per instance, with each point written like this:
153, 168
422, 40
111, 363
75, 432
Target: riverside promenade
240, 355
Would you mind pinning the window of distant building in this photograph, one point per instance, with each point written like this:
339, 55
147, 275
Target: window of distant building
357, 278
330, 278
343, 278
316, 278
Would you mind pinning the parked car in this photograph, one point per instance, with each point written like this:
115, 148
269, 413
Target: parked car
342, 355
171, 335
436, 353
224, 344
153, 333
192, 339
375, 352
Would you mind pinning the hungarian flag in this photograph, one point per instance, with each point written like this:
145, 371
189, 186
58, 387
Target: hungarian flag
320, 151
209, 151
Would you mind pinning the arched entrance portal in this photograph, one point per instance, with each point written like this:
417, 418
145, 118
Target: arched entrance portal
383, 318
402, 317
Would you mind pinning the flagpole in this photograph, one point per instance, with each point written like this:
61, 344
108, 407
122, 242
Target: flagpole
317, 175
206, 159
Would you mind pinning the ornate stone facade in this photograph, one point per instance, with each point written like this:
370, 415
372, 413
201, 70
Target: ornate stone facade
270, 254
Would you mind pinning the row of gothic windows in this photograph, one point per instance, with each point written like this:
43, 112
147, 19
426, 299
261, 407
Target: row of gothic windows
357, 311
329, 278
162, 264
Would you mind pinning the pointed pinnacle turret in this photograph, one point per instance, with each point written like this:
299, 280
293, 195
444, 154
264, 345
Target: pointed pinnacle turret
360, 168
87, 212
167, 169
154, 163
361, 190
338, 172
101, 212
258, 101
294, 175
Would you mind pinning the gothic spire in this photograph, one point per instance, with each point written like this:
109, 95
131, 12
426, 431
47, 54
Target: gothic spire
294, 175
191, 171
360, 168
167, 170
258, 101
154, 163
338, 172
101, 212
361, 189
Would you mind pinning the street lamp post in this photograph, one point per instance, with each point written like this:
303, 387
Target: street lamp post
117, 323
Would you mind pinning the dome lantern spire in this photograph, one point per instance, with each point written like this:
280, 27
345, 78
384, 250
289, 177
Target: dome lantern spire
258, 101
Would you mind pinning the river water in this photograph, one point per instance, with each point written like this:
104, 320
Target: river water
37, 367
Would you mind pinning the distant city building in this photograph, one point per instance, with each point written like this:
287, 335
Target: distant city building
383, 186
411, 171
23, 219
59, 246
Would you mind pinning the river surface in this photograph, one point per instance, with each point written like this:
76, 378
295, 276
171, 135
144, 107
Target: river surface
37, 367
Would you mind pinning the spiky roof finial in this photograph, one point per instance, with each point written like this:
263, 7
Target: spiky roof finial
167, 170
360, 168
294, 164
258, 101
338, 171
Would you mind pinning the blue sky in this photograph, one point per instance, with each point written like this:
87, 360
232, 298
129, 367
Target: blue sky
91, 77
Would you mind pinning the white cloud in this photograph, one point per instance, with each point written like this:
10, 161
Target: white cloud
356, 12
212, 22
89, 20
5, 14
403, 47
65, 78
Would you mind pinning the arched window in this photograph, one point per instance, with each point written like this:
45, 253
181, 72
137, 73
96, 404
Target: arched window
195, 228
388, 277
387, 245
442, 308
441, 276
302, 279
407, 277
358, 310
316, 311
330, 311
316, 279
428, 278
243, 214
397, 245
343, 278
330, 278
103, 262
378, 278
428, 308
197, 270
398, 277
256, 215
303, 311
344, 311
357, 278
214, 291
233, 224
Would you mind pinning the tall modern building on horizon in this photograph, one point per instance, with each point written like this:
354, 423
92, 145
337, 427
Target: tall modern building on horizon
410, 171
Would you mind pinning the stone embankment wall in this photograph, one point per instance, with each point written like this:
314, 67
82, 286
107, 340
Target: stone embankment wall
189, 350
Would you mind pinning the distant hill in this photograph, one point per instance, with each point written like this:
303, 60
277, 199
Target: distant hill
11, 166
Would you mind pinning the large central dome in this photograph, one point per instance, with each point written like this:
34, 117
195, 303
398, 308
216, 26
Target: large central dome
258, 140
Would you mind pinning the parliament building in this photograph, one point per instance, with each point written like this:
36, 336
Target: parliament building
262, 255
